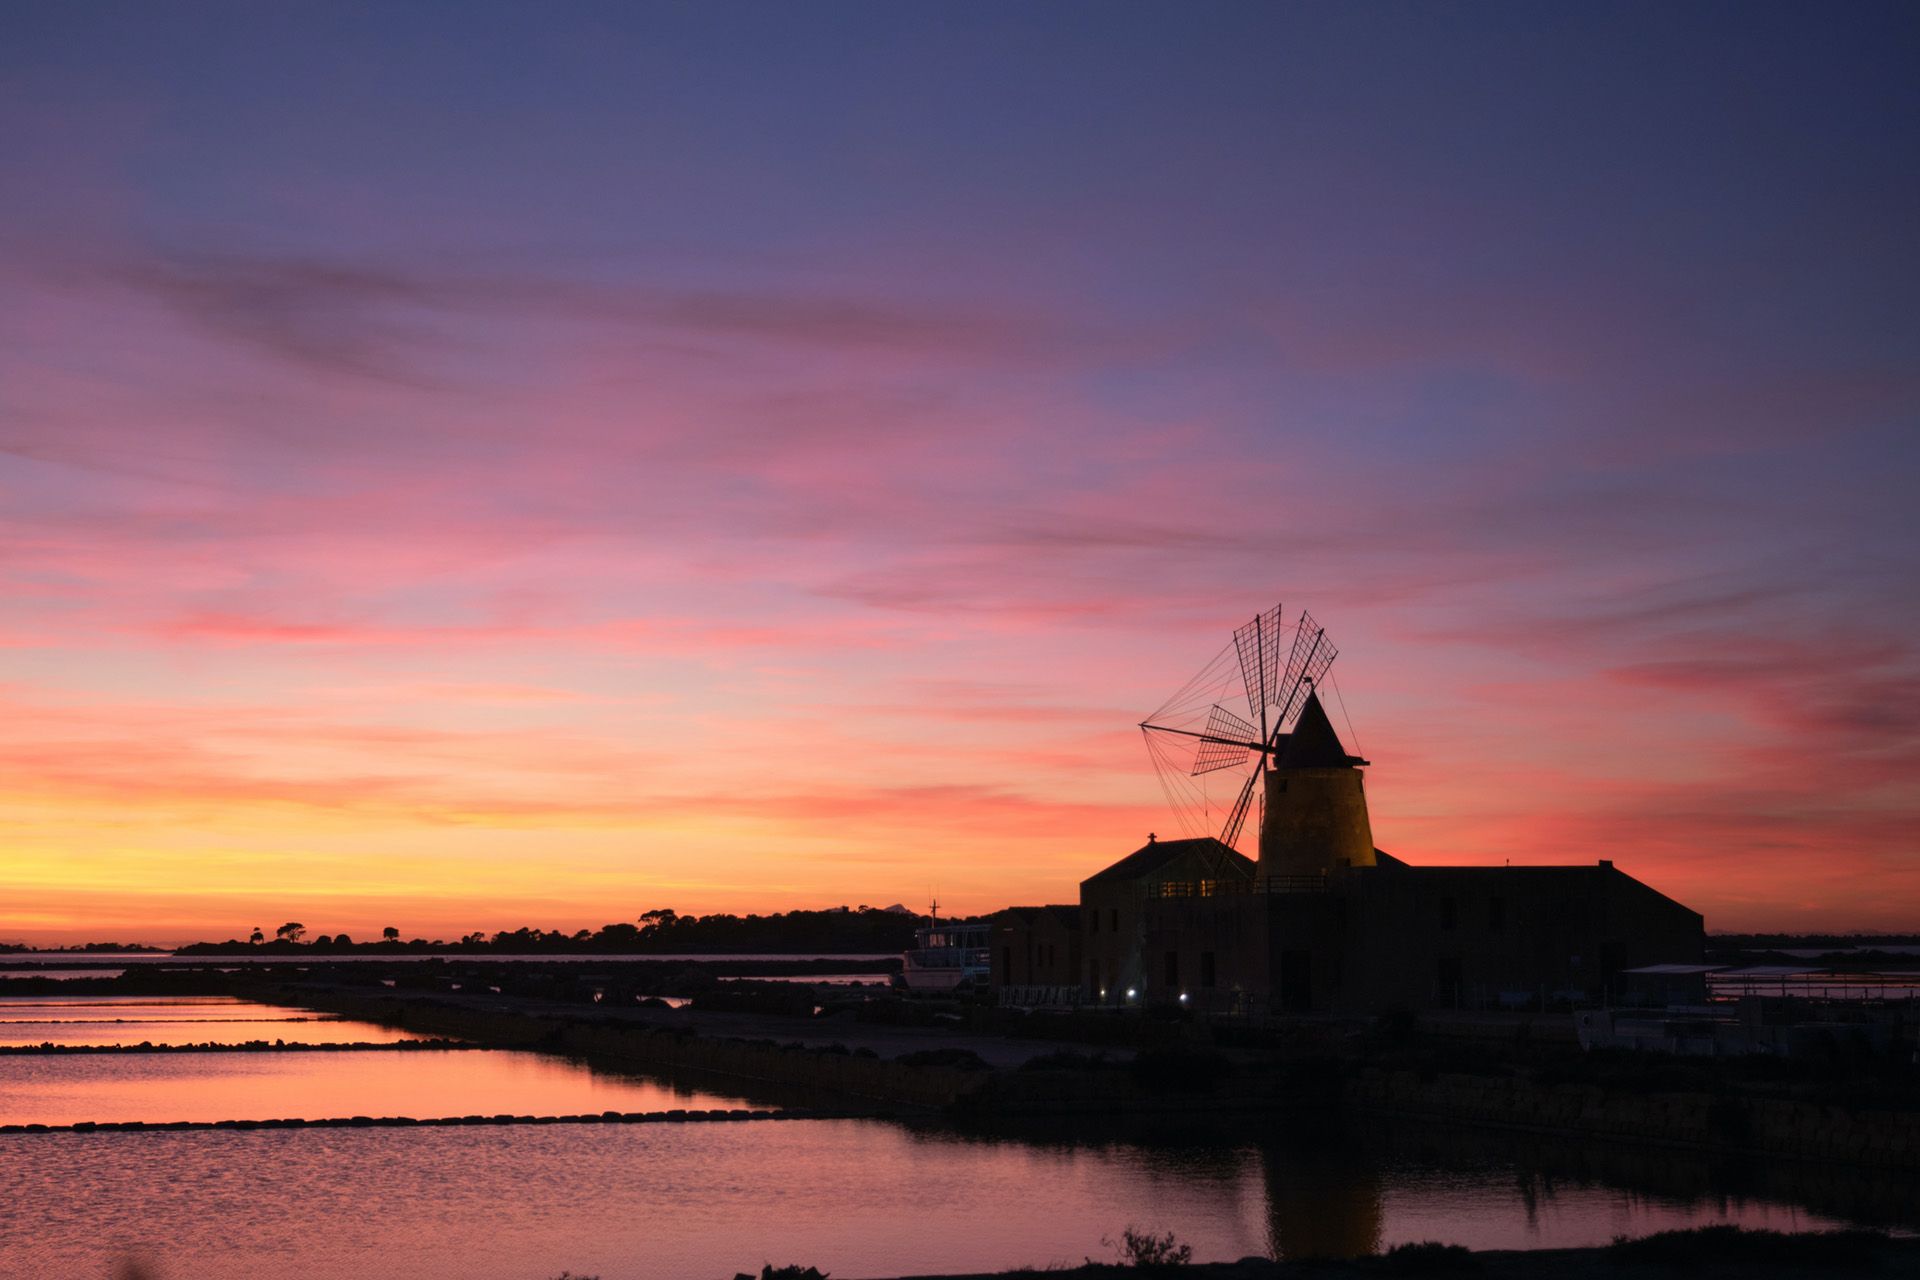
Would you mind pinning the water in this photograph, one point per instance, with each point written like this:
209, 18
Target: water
162, 1087
114, 1020
856, 1198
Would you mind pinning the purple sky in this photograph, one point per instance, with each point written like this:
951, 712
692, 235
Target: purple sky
481, 462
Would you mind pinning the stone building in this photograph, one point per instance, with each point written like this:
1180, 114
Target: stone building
1115, 903
1037, 947
1326, 922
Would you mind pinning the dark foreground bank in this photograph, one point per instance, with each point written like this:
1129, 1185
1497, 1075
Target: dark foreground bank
1717, 1253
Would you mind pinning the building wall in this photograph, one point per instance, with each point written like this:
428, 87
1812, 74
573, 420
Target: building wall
1440, 937
1111, 926
1398, 937
1212, 950
1036, 947
1114, 916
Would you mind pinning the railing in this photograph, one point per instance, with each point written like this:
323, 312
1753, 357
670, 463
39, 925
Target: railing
1042, 997
1314, 883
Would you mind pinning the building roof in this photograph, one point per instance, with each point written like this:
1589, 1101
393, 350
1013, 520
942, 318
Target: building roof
1066, 914
1155, 854
1313, 744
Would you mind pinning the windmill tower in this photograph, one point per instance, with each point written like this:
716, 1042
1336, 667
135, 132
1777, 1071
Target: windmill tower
1316, 811
1313, 805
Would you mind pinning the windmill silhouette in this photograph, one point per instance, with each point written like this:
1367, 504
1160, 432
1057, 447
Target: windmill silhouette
1195, 733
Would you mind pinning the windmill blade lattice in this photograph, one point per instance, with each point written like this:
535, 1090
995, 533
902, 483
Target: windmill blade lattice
1258, 647
1225, 744
1312, 654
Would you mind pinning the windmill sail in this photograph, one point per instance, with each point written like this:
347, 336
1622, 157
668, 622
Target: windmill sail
1312, 654
1258, 646
1226, 744
1194, 736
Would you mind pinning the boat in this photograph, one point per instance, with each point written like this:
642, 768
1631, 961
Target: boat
946, 957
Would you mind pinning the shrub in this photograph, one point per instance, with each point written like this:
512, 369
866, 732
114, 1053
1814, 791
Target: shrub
1150, 1252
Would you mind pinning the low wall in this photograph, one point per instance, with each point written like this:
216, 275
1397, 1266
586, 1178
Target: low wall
1715, 1123
1723, 1123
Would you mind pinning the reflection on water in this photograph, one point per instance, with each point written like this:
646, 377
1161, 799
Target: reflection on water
175, 1020
1327, 1206
856, 1198
265, 1086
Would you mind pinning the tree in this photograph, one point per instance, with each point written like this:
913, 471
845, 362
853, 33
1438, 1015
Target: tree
291, 931
390, 933
258, 937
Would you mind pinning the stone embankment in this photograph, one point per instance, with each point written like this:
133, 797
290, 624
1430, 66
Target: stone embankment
1728, 1121
1724, 1123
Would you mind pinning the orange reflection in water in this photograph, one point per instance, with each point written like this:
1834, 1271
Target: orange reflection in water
109, 1020
264, 1086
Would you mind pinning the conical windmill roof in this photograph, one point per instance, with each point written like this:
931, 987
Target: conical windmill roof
1313, 744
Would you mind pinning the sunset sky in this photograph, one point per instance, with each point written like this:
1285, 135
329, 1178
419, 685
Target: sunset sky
475, 465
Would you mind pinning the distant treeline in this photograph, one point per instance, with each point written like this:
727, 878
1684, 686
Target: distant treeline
115, 948
855, 930
1807, 941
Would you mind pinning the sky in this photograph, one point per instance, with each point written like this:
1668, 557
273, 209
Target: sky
473, 465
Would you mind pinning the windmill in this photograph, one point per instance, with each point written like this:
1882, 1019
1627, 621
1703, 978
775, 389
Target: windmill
1200, 731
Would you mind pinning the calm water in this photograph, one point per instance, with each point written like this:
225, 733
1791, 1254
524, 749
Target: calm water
105, 1020
266, 1086
856, 1198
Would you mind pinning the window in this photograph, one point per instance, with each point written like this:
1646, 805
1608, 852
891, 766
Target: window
1006, 962
1113, 920
1206, 969
1095, 928
1209, 887
1448, 913
1173, 969
1496, 915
